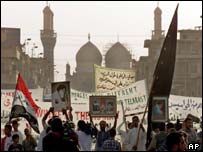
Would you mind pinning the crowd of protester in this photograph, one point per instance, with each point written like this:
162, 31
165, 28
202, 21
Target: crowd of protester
58, 135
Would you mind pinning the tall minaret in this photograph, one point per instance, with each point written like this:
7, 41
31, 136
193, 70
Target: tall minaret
48, 38
157, 23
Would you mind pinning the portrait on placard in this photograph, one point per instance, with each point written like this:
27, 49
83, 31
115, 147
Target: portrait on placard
160, 109
60, 95
103, 105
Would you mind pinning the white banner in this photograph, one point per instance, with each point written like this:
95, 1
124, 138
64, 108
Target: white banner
134, 98
181, 106
107, 79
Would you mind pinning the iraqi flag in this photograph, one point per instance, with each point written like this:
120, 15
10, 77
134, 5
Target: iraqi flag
23, 104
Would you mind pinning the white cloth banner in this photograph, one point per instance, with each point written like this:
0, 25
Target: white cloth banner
134, 98
181, 106
108, 79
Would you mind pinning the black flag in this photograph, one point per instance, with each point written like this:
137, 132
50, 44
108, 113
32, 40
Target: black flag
163, 74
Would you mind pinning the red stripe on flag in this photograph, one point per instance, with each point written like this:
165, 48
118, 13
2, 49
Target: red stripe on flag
22, 87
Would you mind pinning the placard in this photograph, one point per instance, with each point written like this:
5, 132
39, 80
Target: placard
60, 95
159, 109
103, 106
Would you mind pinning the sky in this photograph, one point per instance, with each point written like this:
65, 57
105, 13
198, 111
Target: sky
129, 22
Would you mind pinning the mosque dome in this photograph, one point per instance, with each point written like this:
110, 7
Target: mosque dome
118, 57
89, 53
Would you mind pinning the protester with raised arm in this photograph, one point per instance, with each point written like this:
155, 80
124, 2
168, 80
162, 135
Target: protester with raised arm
131, 140
102, 135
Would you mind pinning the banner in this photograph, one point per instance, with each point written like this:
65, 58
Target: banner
134, 98
181, 106
107, 79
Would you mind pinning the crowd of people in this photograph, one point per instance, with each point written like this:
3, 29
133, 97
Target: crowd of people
61, 135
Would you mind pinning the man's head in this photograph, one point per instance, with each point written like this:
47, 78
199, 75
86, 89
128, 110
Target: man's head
7, 130
170, 127
15, 125
130, 125
27, 132
56, 125
62, 91
102, 125
112, 132
188, 123
15, 138
161, 126
135, 121
175, 142
81, 125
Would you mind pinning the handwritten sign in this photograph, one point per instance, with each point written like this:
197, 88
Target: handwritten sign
107, 79
181, 106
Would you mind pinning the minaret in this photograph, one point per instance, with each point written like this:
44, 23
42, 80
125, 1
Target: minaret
48, 38
157, 23
68, 76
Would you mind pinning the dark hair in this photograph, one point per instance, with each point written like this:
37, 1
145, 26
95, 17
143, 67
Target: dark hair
135, 117
188, 119
112, 132
8, 126
170, 125
14, 122
162, 126
15, 136
173, 139
61, 87
86, 128
56, 125
81, 125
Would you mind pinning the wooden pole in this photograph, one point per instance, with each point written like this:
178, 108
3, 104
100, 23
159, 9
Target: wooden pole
124, 116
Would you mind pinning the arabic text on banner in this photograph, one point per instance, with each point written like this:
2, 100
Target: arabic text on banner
108, 79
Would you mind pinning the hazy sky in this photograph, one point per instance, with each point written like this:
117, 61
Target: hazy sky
104, 20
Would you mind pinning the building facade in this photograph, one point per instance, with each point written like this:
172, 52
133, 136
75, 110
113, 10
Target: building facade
14, 59
187, 80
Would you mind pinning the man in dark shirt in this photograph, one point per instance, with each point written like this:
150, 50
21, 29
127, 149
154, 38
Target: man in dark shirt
102, 135
55, 141
15, 146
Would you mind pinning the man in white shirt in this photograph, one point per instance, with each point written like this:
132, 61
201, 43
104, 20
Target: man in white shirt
16, 131
131, 139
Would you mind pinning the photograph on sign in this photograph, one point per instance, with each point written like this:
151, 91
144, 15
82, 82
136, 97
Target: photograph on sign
102, 105
60, 95
159, 109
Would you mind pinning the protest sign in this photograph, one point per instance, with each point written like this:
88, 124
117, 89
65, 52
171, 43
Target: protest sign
60, 95
102, 105
108, 79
